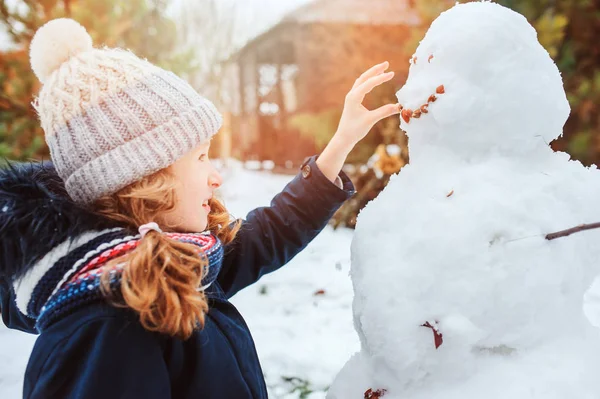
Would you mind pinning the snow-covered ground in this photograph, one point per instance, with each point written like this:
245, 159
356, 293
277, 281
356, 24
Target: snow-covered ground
303, 339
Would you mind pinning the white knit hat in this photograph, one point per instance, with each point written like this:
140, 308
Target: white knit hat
109, 117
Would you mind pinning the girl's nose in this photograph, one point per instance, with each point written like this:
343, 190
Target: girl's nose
215, 179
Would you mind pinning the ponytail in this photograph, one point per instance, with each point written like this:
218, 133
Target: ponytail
160, 283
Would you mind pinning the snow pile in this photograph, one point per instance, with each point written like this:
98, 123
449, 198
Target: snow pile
457, 291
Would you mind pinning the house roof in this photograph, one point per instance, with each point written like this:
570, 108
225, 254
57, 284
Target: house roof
356, 12
376, 12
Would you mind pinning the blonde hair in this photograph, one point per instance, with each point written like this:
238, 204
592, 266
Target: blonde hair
162, 275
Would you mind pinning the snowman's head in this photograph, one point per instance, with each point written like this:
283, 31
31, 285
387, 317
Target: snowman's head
502, 91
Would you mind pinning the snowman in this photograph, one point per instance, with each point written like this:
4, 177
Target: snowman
459, 290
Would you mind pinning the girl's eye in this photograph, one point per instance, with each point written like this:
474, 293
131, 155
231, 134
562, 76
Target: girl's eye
203, 157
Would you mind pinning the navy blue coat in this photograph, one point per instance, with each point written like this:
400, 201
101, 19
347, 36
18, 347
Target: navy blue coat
100, 351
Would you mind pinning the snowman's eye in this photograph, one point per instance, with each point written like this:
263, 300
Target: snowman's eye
415, 58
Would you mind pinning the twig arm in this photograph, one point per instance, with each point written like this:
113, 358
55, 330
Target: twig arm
576, 229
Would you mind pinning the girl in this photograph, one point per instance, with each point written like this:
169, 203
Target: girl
102, 248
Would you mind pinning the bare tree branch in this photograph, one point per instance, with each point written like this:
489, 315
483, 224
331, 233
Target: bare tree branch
67, 4
209, 29
13, 19
568, 232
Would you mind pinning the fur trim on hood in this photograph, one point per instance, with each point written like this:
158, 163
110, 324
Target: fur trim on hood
36, 215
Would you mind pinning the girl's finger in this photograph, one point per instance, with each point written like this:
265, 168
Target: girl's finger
383, 112
361, 91
373, 71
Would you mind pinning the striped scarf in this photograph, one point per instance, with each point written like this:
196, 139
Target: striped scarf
69, 276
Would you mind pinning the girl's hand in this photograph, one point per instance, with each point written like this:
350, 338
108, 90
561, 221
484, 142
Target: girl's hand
356, 120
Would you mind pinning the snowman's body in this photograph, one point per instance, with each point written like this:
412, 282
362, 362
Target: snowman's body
456, 242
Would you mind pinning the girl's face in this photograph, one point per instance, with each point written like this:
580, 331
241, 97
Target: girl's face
196, 180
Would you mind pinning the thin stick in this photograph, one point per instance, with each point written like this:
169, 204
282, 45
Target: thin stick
572, 230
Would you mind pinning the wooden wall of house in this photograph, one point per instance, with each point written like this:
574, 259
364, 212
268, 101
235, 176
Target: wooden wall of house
332, 56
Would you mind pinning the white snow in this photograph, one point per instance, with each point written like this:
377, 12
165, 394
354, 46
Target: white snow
268, 165
302, 337
393, 149
457, 238
253, 165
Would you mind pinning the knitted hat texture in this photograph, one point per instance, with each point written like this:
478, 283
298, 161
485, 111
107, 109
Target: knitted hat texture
109, 117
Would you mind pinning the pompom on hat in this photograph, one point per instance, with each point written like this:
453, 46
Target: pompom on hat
109, 117
56, 42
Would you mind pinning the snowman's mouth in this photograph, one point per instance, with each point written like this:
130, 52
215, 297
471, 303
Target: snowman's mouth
408, 114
